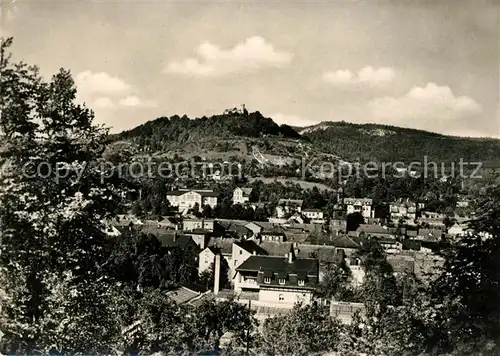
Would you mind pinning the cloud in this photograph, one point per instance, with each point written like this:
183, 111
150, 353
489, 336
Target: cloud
103, 103
250, 55
134, 101
90, 83
367, 76
430, 104
292, 120
9, 11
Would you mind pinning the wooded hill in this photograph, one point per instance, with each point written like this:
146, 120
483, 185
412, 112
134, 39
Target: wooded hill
366, 142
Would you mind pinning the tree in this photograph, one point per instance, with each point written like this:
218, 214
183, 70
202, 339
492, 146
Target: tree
306, 329
379, 288
212, 319
354, 220
336, 284
467, 290
207, 211
53, 199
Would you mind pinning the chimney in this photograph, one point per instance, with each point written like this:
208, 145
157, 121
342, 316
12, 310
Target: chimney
175, 236
217, 273
290, 257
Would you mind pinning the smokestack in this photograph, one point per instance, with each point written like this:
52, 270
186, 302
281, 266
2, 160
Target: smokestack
290, 257
175, 236
217, 273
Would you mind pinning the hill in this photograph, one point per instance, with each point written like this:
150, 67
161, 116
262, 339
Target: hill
165, 133
374, 142
247, 135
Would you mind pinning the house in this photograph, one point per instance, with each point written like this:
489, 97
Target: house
193, 224
186, 199
168, 223
126, 220
288, 206
256, 228
241, 195
458, 230
404, 209
207, 257
360, 205
241, 251
365, 230
186, 243
237, 230
186, 294
390, 245
296, 218
431, 219
313, 214
199, 236
430, 234
278, 280
275, 234
224, 245
111, 230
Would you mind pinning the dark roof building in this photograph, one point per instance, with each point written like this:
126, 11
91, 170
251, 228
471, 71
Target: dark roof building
282, 272
251, 247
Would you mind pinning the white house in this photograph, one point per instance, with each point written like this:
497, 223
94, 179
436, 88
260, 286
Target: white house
360, 205
277, 280
458, 229
241, 195
242, 250
288, 206
404, 209
194, 224
313, 214
206, 258
185, 199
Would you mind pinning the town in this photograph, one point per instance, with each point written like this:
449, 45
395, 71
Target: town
249, 178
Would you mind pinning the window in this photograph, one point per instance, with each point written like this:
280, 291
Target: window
267, 280
301, 282
241, 252
281, 281
235, 262
281, 297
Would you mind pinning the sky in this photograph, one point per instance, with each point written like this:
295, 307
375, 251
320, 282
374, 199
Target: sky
431, 65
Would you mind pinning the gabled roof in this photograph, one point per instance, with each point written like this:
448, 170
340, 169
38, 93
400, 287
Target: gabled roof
182, 295
277, 264
176, 192
215, 250
430, 232
198, 232
375, 229
224, 244
239, 229
246, 191
202, 192
276, 249
363, 201
251, 247
274, 230
339, 241
171, 240
311, 210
